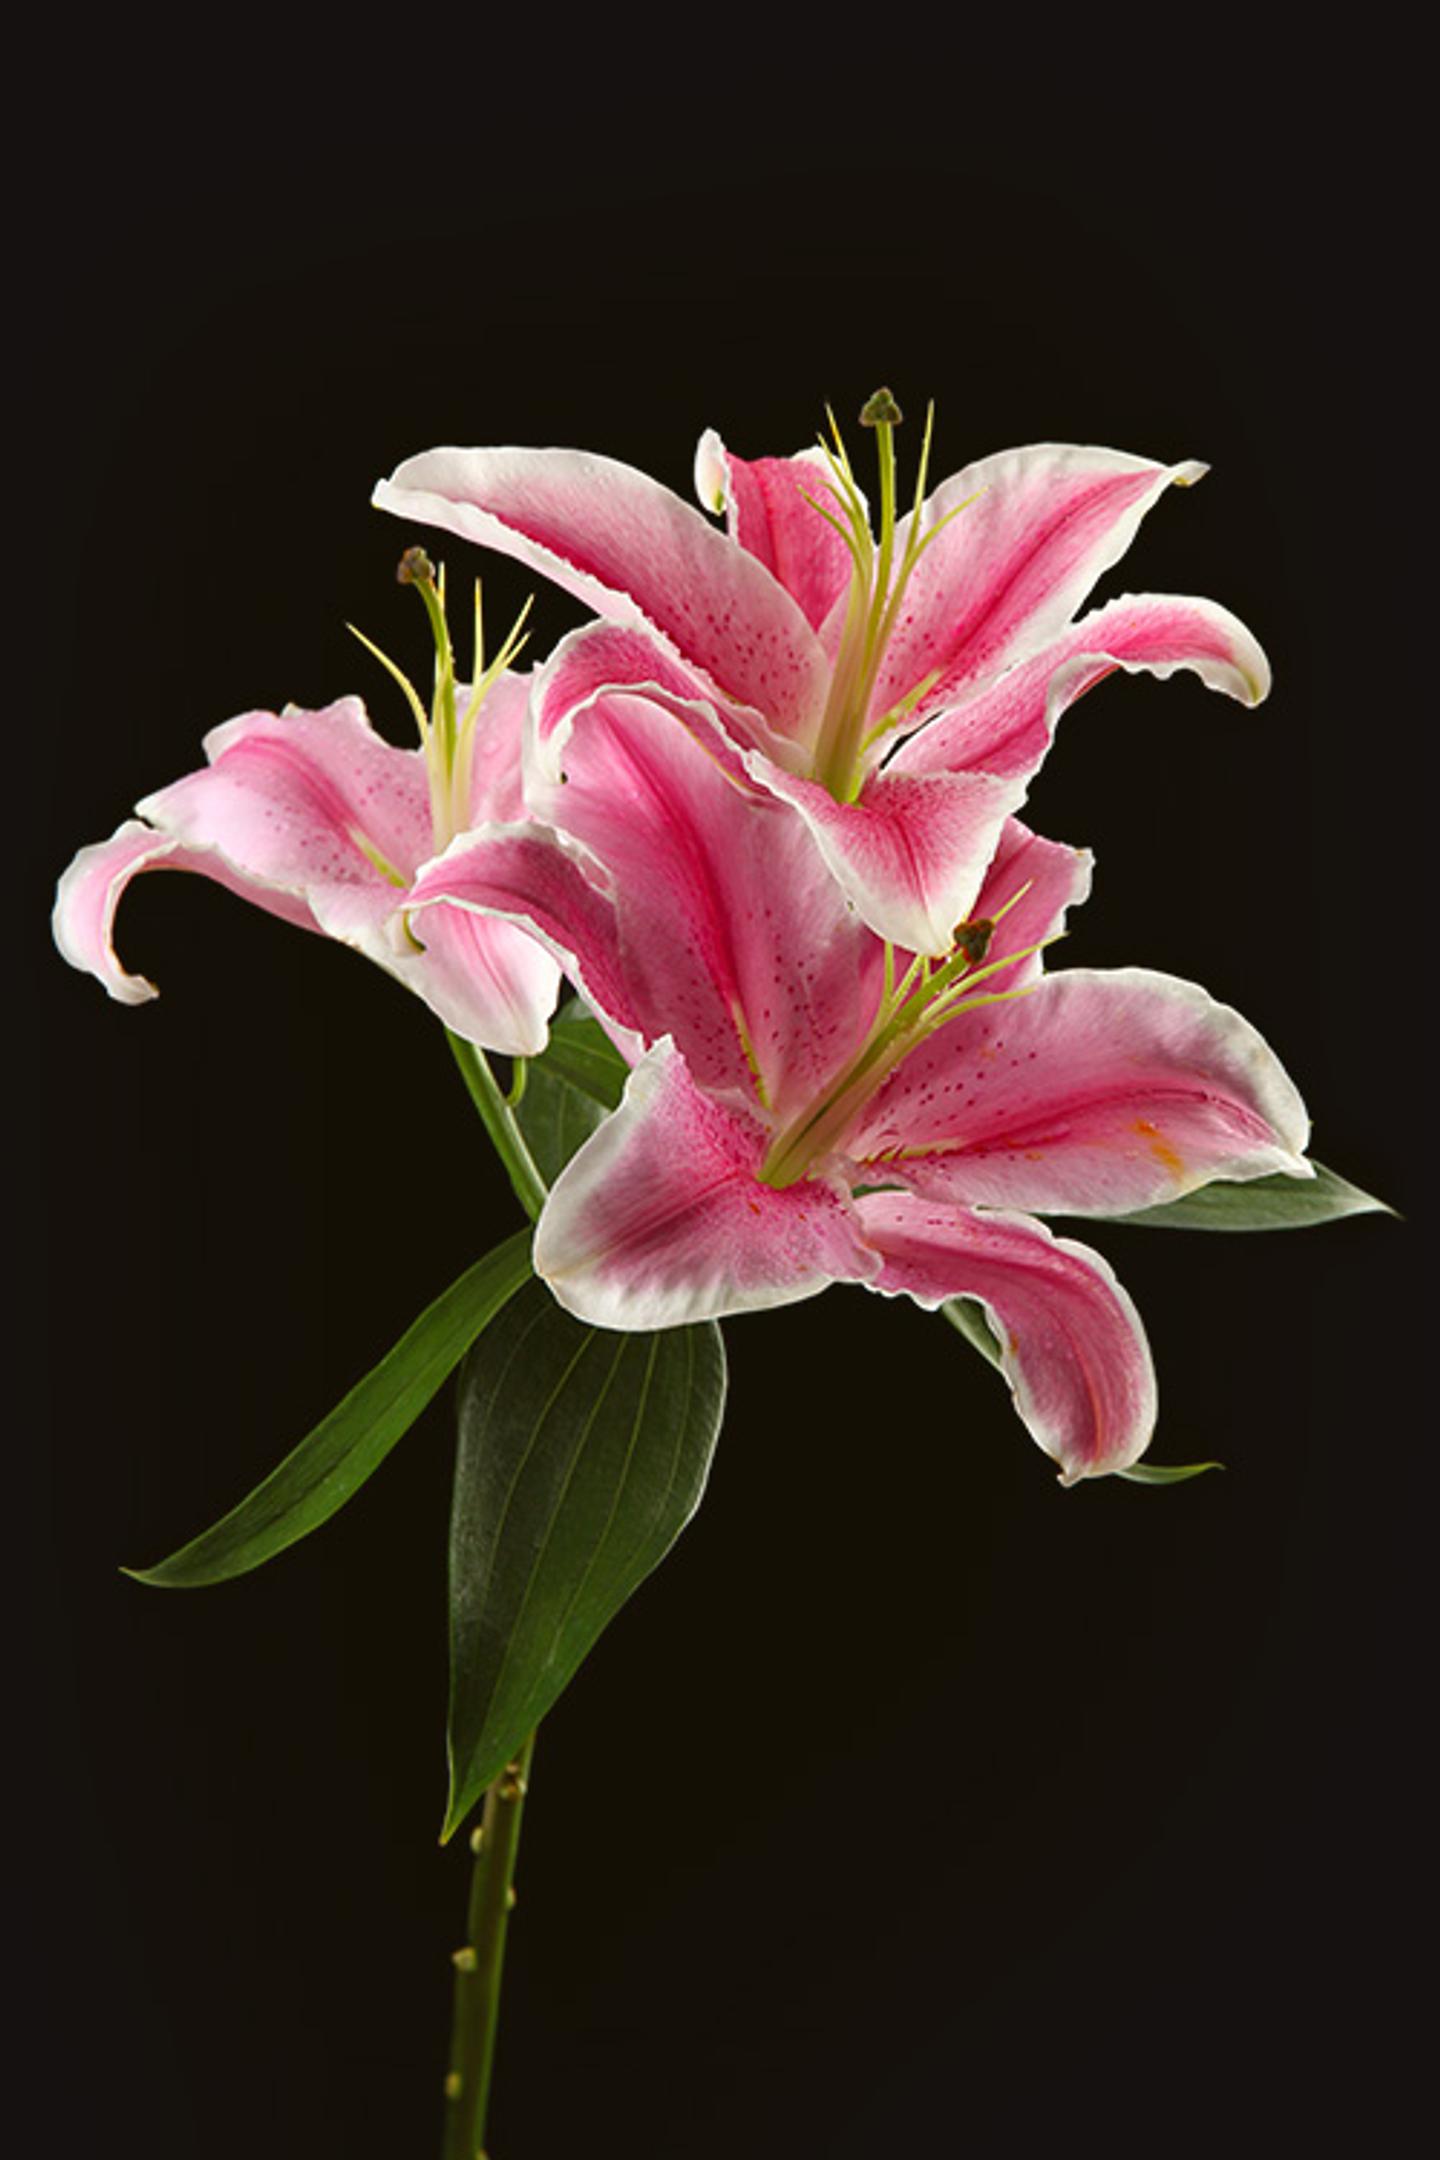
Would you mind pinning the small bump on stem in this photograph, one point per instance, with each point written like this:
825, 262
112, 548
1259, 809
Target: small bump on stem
454, 2084
464, 1959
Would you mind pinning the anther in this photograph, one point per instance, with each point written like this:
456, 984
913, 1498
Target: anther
973, 938
464, 1959
415, 568
881, 410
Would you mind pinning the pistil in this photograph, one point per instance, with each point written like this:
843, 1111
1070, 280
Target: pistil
877, 587
447, 736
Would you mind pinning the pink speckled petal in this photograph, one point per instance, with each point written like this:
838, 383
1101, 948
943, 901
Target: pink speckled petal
635, 553
912, 851
497, 794
1071, 1342
1007, 727
734, 938
301, 802
528, 876
1031, 885
608, 656
1097, 1093
660, 1219
768, 514
90, 890
490, 981
1009, 571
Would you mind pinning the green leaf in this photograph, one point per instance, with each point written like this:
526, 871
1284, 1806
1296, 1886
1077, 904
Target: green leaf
1155, 1473
580, 1052
582, 1455
967, 1316
569, 1090
555, 1118
1268, 1203
334, 1460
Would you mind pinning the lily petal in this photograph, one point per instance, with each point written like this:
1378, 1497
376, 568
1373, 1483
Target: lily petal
489, 981
608, 656
768, 514
90, 891
313, 817
1008, 726
733, 936
1099, 1092
309, 803
1072, 1345
634, 552
1031, 884
912, 851
1010, 570
497, 794
527, 875
659, 1218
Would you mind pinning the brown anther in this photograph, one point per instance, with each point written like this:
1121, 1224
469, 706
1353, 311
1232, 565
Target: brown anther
881, 410
415, 568
973, 938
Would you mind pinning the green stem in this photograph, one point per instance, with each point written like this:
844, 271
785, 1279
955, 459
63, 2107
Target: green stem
499, 1121
479, 1964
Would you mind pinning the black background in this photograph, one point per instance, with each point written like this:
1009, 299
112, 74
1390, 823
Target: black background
916, 1806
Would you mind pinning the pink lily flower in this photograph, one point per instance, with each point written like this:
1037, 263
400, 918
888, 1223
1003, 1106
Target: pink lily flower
899, 692
809, 1105
313, 817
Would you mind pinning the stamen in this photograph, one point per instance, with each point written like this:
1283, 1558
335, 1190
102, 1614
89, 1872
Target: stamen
401, 677
881, 410
923, 1002
877, 591
447, 740
973, 938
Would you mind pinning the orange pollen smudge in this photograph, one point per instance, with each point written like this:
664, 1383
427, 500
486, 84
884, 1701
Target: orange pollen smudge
1160, 1147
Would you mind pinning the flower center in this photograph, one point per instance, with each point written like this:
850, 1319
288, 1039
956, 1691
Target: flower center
877, 587
447, 736
930, 993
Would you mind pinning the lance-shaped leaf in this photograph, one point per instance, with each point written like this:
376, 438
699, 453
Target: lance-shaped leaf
333, 1461
582, 1455
1265, 1203
581, 1053
569, 1090
1155, 1473
967, 1316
